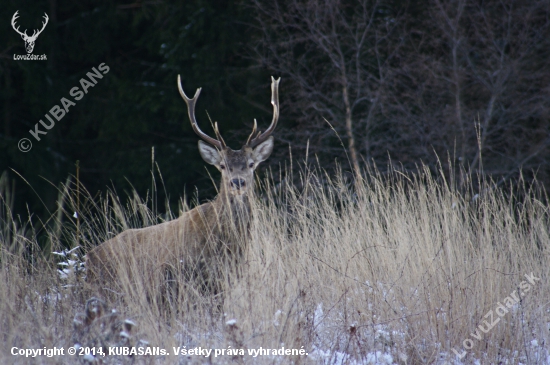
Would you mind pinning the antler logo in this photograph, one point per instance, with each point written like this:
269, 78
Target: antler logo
29, 41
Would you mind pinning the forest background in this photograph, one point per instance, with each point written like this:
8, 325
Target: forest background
462, 85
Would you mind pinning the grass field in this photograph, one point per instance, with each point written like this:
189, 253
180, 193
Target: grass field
395, 269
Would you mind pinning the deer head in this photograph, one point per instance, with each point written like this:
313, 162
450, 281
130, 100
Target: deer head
237, 167
29, 41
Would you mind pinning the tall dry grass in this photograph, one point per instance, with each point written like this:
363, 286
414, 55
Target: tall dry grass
397, 268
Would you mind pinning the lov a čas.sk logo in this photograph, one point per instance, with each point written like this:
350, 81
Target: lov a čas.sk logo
29, 40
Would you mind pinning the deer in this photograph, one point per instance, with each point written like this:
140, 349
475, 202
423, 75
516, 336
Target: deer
29, 40
203, 238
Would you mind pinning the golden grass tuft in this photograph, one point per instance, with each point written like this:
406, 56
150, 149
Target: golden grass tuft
399, 268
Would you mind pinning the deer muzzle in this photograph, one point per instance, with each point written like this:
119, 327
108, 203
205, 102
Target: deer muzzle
238, 183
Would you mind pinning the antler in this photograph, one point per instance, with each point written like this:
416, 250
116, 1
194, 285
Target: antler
13, 19
219, 143
36, 32
43, 26
260, 137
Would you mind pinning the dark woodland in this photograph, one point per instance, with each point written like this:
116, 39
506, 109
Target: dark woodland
456, 85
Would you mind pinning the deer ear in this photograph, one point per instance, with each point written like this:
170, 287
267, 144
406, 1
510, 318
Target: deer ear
263, 150
209, 154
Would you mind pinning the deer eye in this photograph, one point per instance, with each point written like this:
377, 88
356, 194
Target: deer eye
251, 165
222, 167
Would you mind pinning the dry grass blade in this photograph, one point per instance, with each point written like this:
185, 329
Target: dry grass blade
399, 269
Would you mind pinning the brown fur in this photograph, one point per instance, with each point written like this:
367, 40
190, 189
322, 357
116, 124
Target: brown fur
199, 236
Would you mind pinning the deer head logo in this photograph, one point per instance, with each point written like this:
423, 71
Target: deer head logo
29, 40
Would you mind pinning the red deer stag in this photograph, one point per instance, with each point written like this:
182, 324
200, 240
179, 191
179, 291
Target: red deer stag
202, 238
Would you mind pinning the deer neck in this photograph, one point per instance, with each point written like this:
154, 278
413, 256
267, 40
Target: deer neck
235, 208
234, 216
225, 199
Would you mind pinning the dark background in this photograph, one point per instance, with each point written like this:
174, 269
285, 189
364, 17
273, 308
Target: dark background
423, 82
